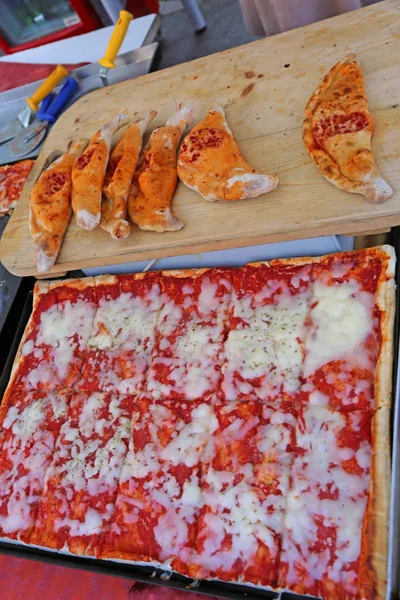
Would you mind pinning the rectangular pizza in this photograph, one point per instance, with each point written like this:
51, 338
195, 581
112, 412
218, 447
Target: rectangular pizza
224, 424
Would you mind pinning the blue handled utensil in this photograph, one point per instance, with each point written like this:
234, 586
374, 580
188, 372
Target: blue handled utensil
51, 107
24, 118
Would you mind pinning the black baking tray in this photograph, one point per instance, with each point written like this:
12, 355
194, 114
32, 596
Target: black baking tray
12, 351
218, 589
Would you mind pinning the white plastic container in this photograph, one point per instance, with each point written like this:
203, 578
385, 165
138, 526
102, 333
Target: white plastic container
235, 257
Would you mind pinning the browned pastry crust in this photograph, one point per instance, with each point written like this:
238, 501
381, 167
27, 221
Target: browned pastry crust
337, 132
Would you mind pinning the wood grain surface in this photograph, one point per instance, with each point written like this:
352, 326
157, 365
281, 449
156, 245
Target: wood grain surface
263, 87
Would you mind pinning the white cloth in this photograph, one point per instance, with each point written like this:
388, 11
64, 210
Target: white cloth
268, 17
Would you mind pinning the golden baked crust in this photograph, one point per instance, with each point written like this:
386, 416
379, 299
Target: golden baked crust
77, 284
105, 280
375, 539
181, 273
376, 532
211, 164
50, 207
119, 173
88, 174
337, 131
155, 179
386, 302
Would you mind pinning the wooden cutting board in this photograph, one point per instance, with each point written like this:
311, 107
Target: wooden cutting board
263, 87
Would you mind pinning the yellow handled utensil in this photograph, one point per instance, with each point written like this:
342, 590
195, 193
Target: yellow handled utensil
32, 103
115, 43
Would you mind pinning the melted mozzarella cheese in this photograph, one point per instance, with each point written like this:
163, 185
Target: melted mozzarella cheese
28, 347
193, 357
192, 373
125, 328
274, 438
273, 441
316, 398
317, 471
239, 513
239, 428
91, 524
90, 461
181, 511
341, 320
301, 533
340, 269
208, 301
64, 328
171, 533
62, 322
322, 461
192, 360
111, 375
26, 423
186, 447
125, 322
269, 347
176, 505
87, 462
170, 316
28, 452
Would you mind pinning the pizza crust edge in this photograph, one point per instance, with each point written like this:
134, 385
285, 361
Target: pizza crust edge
378, 512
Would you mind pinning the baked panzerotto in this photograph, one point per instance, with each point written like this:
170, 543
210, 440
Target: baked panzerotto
211, 163
88, 173
337, 132
155, 179
50, 206
118, 179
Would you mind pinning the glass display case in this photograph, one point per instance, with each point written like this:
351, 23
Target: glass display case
28, 23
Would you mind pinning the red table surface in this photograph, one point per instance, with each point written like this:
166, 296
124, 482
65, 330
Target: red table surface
15, 74
30, 580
